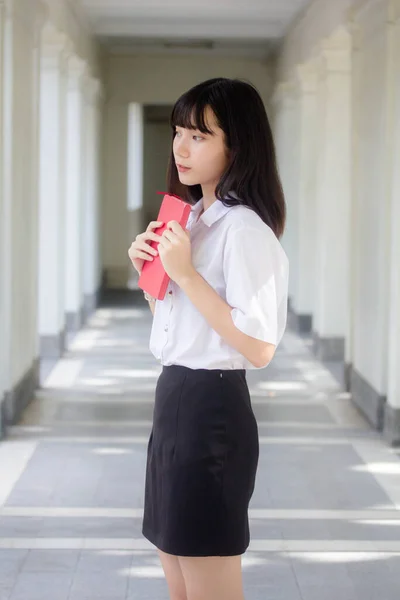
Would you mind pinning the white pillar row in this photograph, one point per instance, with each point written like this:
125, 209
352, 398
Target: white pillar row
74, 191
90, 198
305, 282
333, 199
52, 193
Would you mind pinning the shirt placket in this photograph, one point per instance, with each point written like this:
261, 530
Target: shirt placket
166, 325
169, 297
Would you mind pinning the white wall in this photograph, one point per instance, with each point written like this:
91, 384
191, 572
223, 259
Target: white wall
149, 80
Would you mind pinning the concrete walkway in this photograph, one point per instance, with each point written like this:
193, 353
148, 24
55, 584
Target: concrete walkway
325, 516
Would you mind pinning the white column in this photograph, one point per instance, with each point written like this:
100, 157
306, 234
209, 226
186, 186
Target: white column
135, 156
392, 410
94, 278
97, 267
374, 287
4, 293
287, 156
73, 213
52, 194
18, 206
356, 195
333, 198
135, 178
305, 280
6, 197
40, 18
90, 219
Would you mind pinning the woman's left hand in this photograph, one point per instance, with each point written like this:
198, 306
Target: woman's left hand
175, 252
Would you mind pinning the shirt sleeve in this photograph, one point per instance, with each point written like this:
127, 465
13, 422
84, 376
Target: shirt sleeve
256, 275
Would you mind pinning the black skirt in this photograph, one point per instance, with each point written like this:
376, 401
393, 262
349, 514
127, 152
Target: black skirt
202, 458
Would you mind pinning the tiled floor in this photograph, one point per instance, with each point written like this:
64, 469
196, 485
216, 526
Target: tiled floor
324, 517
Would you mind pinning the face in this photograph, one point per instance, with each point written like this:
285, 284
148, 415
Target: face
204, 155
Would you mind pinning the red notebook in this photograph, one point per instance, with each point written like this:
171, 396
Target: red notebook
153, 278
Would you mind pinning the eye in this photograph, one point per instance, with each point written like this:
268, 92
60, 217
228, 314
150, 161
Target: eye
198, 137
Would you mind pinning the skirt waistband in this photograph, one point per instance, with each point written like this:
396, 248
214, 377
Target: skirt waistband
182, 369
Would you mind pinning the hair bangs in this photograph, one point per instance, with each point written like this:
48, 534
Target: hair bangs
189, 113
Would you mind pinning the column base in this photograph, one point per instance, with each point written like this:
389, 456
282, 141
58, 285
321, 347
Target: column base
89, 305
299, 323
391, 425
82, 316
2, 416
347, 376
16, 400
52, 346
98, 295
328, 348
73, 321
370, 403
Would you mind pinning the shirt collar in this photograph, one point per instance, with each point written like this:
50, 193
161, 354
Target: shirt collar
213, 213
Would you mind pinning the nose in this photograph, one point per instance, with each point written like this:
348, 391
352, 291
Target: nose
181, 147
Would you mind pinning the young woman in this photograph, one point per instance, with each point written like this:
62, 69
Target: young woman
224, 313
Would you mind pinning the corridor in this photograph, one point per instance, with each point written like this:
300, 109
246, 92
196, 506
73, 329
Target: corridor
324, 516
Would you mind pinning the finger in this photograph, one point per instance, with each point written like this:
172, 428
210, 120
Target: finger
175, 227
164, 243
153, 225
169, 235
178, 230
143, 255
148, 235
148, 248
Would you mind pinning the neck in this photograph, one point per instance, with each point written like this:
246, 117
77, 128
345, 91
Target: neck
208, 196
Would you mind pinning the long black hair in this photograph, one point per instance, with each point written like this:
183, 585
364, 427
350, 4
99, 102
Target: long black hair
252, 172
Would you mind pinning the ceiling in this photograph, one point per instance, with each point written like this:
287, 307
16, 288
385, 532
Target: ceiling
223, 27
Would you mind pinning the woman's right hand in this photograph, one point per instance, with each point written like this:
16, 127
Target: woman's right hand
141, 250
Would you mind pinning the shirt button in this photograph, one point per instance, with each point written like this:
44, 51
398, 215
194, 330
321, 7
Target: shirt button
166, 328
170, 292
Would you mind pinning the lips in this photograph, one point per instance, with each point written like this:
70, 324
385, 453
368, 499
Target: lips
182, 169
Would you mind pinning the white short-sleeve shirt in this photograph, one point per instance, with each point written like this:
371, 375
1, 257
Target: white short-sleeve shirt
242, 259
